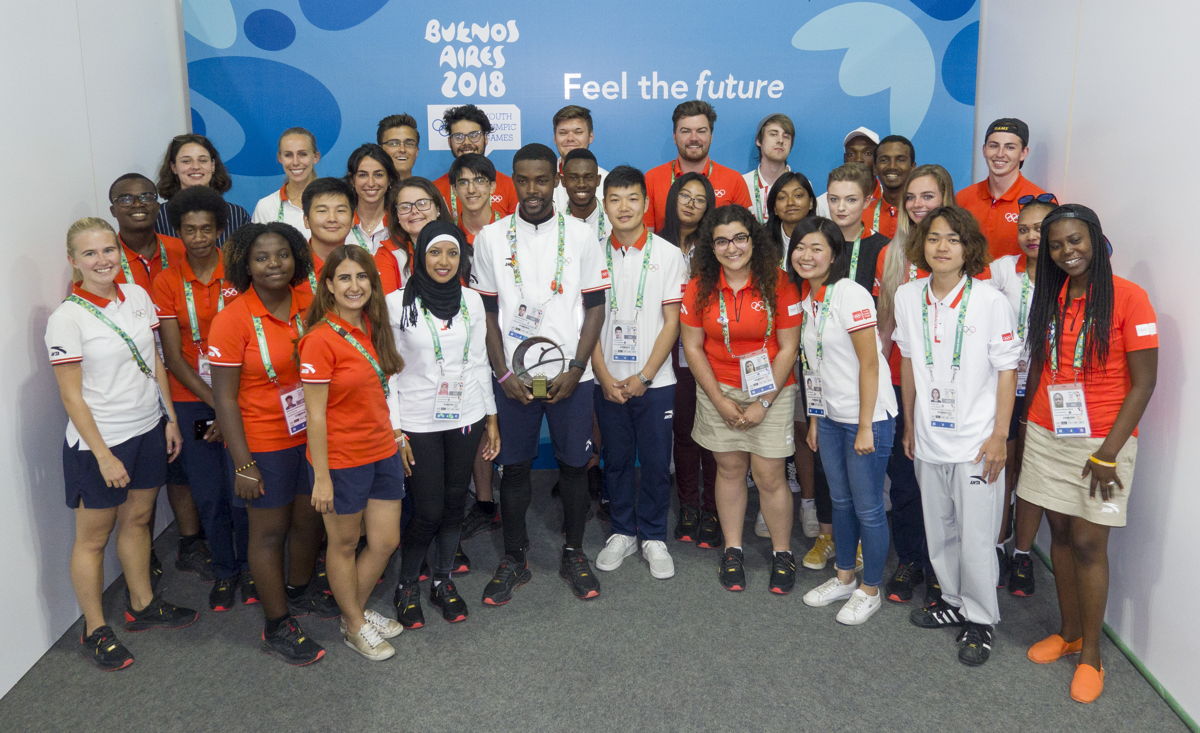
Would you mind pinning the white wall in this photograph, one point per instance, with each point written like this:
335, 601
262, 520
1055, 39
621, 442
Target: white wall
94, 90
1109, 94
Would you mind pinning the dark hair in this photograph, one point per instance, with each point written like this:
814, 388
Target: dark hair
168, 182
376, 153
401, 120
859, 173
691, 108
395, 232
326, 186
962, 222
672, 228
840, 266
773, 225
127, 177
1044, 314
579, 154
468, 112
624, 176
912, 152
573, 112
197, 198
535, 151
375, 312
236, 252
475, 163
312, 139
764, 264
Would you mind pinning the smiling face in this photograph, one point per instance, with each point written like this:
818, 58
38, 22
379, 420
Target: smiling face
693, 136
812, 257
1003, 152
775, 144
1029, 229
329, 218
474, 190
270, 262
692, 203
298, 158
414, 209
193, 166
534, 181
580, 178
442, 260
733, 246
943, 249
97, 256
793, 203
199, 232
370, 181
467, 137
571, 134
893, 161
846, 204
923, 196
625, 207
401, 144
137, 215
350, 286
1070, 245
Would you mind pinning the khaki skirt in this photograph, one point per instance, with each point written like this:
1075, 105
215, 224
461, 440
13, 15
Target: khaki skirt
772, 438
1050, 469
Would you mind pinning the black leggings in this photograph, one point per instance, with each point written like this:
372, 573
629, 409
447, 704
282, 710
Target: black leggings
515, 493
438, 487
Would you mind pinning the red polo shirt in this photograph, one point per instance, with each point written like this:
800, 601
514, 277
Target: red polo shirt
997, 217
728, 186
207, 299
145, 270
504, 197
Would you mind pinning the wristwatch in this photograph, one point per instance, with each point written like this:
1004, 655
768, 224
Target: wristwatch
577, 364
765, 403
645, 382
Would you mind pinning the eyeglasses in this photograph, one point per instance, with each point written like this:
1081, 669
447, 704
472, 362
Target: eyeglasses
723, 242
1045, 198
479, 181
127, 199
687, 199
420, 205
458, 137
396, 143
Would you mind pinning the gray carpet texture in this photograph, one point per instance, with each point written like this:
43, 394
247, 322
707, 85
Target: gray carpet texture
661, 655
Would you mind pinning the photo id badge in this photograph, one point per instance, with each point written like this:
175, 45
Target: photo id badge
1068, 410
624, 341
204, 368
756, 373
1022, 376
447, 404
943, 406
526, 322
292, 400
813, 396
682, 356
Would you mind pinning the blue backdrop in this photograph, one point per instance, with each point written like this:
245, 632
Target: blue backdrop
337, 67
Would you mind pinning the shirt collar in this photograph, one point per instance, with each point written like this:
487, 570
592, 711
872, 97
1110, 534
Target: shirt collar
94, 299
256, 307
190, 275
337, 321
640, 243
1011, 193
130, 254
952, 299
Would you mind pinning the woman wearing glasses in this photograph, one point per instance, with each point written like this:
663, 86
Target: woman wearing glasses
192, 160
415, 203
741, 310
370, 171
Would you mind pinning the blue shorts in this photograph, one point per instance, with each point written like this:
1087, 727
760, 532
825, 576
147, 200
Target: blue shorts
145, 459
570, 427
284, 474
352, 487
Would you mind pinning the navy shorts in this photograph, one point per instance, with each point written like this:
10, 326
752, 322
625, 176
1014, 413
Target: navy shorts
352, 487
570, 426
145, 459
284, 474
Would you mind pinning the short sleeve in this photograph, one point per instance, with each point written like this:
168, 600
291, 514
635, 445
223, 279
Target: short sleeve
389, 270
260, 215
226, 340
689, 315
482, 269
316, 357
901, 336
856, 309
139, 296
789, 312
64, 341
163, 294
1004, 345
594, 276
741, 194
675, 275
1139, 324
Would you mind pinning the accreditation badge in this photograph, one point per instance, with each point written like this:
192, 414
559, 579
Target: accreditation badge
204, 368
814, 396
526, 322
756, 373
624, 341
447, 403
1068, 410
943, 406
291, 398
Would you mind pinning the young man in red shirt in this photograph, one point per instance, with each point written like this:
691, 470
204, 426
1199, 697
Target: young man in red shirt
894, 158
993, 201
693, 123
468, 128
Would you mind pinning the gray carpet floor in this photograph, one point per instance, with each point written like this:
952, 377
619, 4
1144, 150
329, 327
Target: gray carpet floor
680, 654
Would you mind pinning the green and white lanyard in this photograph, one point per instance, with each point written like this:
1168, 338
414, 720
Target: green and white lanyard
613, 304
162, 253
758, 202
358, 234
600, 226
875, 219
190, 302
854, 256
724, 321
133, 349
1023, 313
438, 356
707, 173
264, 350
383, 380
1077, 360
556, 285
956, 357
820, 330
282, 200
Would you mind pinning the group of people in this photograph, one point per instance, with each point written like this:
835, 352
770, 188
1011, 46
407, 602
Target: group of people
360, 341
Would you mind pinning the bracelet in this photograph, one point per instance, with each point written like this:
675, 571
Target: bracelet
1098, 462
253, 463
506, 376
248, 477
578, 364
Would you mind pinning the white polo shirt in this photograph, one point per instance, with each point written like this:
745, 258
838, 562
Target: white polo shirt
851, 309
413, 389
584, 271
758, 188
560, 193
1009, 281
372, 240
666, 277
274, 207
124, 402
990, 345
598, 221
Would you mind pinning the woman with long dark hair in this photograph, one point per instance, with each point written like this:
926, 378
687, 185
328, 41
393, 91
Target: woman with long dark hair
192, 160
370, 171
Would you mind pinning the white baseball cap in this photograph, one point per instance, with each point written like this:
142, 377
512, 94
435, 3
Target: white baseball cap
864, 132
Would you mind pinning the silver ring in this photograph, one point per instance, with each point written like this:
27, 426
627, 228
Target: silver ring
1112, 483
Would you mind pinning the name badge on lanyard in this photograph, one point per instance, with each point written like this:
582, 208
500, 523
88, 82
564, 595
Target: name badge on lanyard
1068, 404
814, 393
204, 368
448, 400
943, 395
682, 356
814, 396
528, 318
943, 406
447, 403
1022, 374
291, 398
526, 322
624, 341
756, 373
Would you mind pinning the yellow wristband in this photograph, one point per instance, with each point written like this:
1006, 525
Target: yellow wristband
1098, 462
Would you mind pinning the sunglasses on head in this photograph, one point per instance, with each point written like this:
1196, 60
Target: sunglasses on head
1045, 198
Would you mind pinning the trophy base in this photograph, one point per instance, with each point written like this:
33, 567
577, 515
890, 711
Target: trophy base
540, 388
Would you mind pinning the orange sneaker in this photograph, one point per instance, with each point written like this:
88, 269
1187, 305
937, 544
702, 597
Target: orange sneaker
1053, 648
1087, 684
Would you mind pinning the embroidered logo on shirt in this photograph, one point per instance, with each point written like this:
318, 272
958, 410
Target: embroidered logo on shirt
862, 315
57, 351
1007, 337
307, 369
214, 352
1146, 329
1011, 218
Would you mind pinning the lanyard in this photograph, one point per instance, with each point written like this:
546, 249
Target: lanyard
1023, 313
758, 204
191, 306
438, 356
875, 220
358, 234
556, 285
724, 321
820, 328
1077, 360
613, 304
600, 226
956, 358
707, 173
854, 256
162, 253
383, 380
137, 355
282, 200
912, 272
265, 351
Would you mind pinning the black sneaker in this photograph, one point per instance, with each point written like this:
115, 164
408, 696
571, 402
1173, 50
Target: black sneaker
320, 576
479, 520
425, 573
193, 557
1020, 575
105, 650
687, 524
733, 570
159, 614
156, 570
899, 588
975, 644
248, 589
223, 594
708, 536
577, 571
936, 615
445, 596
462, 563
509, 576
783, 573
933, 589
314, 603
1003, 562
408, 606
292, 645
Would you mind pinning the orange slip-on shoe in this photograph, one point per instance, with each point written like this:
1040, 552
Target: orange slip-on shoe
1053, 648
1087, 684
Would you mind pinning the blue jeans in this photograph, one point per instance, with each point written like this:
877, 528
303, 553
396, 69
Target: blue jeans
210, 471
638, 431
856, 489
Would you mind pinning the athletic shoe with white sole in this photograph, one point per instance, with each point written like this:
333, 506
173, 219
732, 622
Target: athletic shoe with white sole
859, 608
830, 591
367, 642
616, 549
658, 558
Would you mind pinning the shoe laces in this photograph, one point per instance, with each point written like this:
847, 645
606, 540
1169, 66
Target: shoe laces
731, 561
224, 584
905, 572
579, 562
784, 562
407, 594
369, 633
976, 635
446, 590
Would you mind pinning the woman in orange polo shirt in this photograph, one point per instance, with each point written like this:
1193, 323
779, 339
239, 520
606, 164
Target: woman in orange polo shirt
741, 333
260, 407
414, 202
1089, 383
346, 358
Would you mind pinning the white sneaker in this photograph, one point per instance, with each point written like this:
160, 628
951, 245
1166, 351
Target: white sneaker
388, 628
859, 608
760, 526
368, 643
829, 591
659, 560
808, 519
618, 547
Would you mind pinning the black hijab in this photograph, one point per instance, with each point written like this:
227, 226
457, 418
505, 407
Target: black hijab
441, 299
